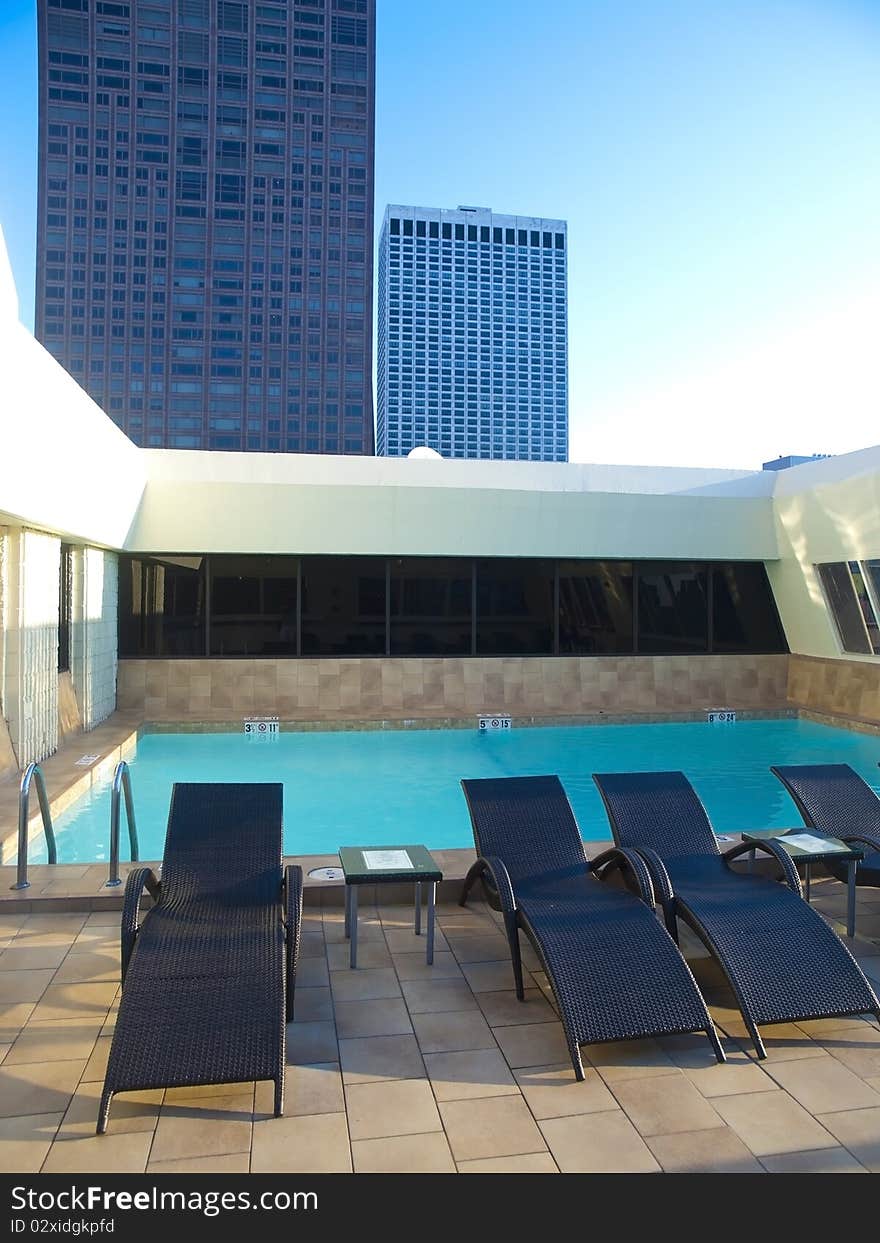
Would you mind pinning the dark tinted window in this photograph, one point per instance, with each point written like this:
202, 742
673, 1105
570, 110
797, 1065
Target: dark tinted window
343, 606
65, 571
162, 606
253, 606
743, 614
673, 608
840, 594
430, 606
595, 607
865, 604
514, 607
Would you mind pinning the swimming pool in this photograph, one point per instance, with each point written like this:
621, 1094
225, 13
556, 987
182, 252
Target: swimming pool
376, 787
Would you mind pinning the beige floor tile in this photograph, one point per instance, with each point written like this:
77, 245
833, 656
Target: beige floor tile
818, 1029
316, 1144
100, 1154
25, 1140
553, 1091
312, 945
91, 968
720, 1151
13, 1017
203, 1127
387, 1017
784, 1042
409, 1154
372, 1058
452, 1031
38, 1087
825, 1161
372, 954
414, 967
602, 1143
532, 1044
404, 941
663, 1104
528, 1163
823, 1084
771, 1123
472, 1074
859, 1131
96, 1067
54, 1042
312, 973
502, 1127
129, 1111
469, 949
628, 1059
857, 1047
364, 984
490, 977
307, 1090
26, 985
228, 1163
433, 997
310, 1043
504, 1009
21, 958
395, 1107
75, 1001
312, 1005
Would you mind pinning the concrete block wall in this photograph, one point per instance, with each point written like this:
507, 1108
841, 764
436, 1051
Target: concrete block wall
93, 633
30, 642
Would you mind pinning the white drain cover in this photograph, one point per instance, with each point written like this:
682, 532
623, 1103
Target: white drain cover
326, 874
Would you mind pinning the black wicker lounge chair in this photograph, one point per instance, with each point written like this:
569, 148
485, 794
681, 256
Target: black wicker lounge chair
614, 972
204, 993
782, 960
836, 802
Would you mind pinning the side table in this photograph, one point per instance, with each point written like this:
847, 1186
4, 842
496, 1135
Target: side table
378, 865
807, 848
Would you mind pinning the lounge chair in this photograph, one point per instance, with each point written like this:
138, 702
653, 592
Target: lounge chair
615, 973
205, 986
836, 802
782, 960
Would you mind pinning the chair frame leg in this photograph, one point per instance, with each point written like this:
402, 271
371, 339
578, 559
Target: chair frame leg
474, 873
104, 1111
279, 1096
712, 1033
512, 929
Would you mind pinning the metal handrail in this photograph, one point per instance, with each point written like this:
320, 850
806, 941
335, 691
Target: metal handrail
24, 793
121, 787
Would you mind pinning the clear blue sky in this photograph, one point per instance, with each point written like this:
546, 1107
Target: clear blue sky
719, 167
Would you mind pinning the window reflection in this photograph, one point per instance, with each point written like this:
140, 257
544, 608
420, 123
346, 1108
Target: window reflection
431, 606
673, 608
595, 607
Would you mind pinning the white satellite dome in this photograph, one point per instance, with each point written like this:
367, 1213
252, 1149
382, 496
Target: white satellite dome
422, 451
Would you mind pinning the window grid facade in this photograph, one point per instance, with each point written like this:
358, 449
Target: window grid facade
472, 351
204, 252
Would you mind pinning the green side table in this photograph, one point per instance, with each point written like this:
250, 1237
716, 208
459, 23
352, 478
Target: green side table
379, 865
806, 846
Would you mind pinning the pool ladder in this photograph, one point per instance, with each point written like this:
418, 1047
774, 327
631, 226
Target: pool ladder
121, 789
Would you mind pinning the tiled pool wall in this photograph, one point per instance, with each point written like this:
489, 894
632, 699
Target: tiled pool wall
335, 689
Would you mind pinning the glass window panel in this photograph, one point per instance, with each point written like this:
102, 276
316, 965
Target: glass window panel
253, 606
744, 616
595, 607
673, 607
65, 571
161, 606
343, 606
514, 607
430, 606
866, 605
840, 594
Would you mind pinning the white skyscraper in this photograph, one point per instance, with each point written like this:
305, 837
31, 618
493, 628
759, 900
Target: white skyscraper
473, 352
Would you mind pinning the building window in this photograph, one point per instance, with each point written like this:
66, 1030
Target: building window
343, 606
744, 617
431, 606
253, 602
514, 607
595, 607
162, 606
65, 593
673, 608
851, 606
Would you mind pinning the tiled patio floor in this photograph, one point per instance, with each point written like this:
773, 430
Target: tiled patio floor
402, 1067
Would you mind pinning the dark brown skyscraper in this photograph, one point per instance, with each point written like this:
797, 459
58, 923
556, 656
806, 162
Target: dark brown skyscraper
205, 224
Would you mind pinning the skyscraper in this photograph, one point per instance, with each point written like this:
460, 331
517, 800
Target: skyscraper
205, 223
472, 357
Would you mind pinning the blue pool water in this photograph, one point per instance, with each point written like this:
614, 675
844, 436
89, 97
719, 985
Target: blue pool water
378, 787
